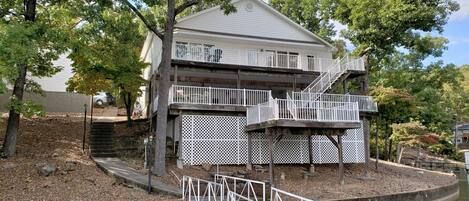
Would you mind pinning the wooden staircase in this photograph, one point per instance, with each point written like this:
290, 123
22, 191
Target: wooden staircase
101, 139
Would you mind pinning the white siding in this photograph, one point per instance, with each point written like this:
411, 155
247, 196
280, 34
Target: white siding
240, 48
57, 83
257, 22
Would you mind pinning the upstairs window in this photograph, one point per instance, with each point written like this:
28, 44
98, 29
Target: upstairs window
181, 50
311, 64
198, 52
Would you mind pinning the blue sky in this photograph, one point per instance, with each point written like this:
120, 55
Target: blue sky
456, 31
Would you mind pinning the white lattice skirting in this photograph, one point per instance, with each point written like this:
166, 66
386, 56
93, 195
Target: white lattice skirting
222, 140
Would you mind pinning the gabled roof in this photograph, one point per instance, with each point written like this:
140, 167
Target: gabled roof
213, 20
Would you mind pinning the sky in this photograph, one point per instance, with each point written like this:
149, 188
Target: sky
456, 31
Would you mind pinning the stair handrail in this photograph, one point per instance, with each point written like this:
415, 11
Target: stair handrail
327, 78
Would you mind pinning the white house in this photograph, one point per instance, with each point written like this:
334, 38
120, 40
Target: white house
231, 74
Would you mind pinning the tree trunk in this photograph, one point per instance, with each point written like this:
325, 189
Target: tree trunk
389, 150
400, 151
128, 107
9, 145
163, 90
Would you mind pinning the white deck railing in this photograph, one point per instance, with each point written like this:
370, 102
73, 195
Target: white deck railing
365, 103
217, 96
251, 58
322, 111
280, 195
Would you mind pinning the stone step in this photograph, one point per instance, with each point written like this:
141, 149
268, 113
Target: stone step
99, 150
101, 137
107, 131
103, 154
109, 145
101, 143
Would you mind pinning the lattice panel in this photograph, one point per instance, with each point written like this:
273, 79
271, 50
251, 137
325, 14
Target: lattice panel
222, 140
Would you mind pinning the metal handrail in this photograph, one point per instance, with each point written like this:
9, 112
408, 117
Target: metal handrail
247, 189
195, 189
277, 194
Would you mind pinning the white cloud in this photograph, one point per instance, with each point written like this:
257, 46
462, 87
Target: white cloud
457, 40
463, 12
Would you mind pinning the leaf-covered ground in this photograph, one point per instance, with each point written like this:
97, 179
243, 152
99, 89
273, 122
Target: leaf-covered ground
55, 140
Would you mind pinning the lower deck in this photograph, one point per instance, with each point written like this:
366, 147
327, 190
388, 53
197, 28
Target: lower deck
222, 138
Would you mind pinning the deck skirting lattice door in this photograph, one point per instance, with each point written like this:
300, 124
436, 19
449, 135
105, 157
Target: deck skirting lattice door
222, 140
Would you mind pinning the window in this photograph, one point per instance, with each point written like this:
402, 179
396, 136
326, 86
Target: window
282, 59
293, 59
311, 64
208, 49
252, 57
181, 50
270, 57
196, 51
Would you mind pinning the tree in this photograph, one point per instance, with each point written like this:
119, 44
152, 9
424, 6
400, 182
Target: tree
395, 106
108, 61
412, 134
163, 27
31, 37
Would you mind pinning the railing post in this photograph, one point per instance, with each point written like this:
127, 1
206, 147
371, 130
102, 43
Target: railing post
210, 95
244, 97
258, 113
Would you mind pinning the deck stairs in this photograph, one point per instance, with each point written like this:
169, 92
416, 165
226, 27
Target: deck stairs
101, 139
337, 71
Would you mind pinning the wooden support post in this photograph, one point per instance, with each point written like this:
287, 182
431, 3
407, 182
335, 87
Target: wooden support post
175, 74
294, 82
270, 133
366, 142
376, 142
310, 149
238, 80
345, 86
341, 160
249, 164
338, 144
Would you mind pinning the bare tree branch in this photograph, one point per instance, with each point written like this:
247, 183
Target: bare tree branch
185, 5
147, 23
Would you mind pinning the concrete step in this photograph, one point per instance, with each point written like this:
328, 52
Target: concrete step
100, 144
102, 150
102, 130
101, 137
103, 154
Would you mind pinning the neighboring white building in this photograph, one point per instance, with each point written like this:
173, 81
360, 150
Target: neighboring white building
56, 98
230, 72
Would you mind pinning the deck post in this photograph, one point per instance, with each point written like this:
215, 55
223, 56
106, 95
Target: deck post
366, 142
175, 79
249, 164
270, 134
341, 160
310, 149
